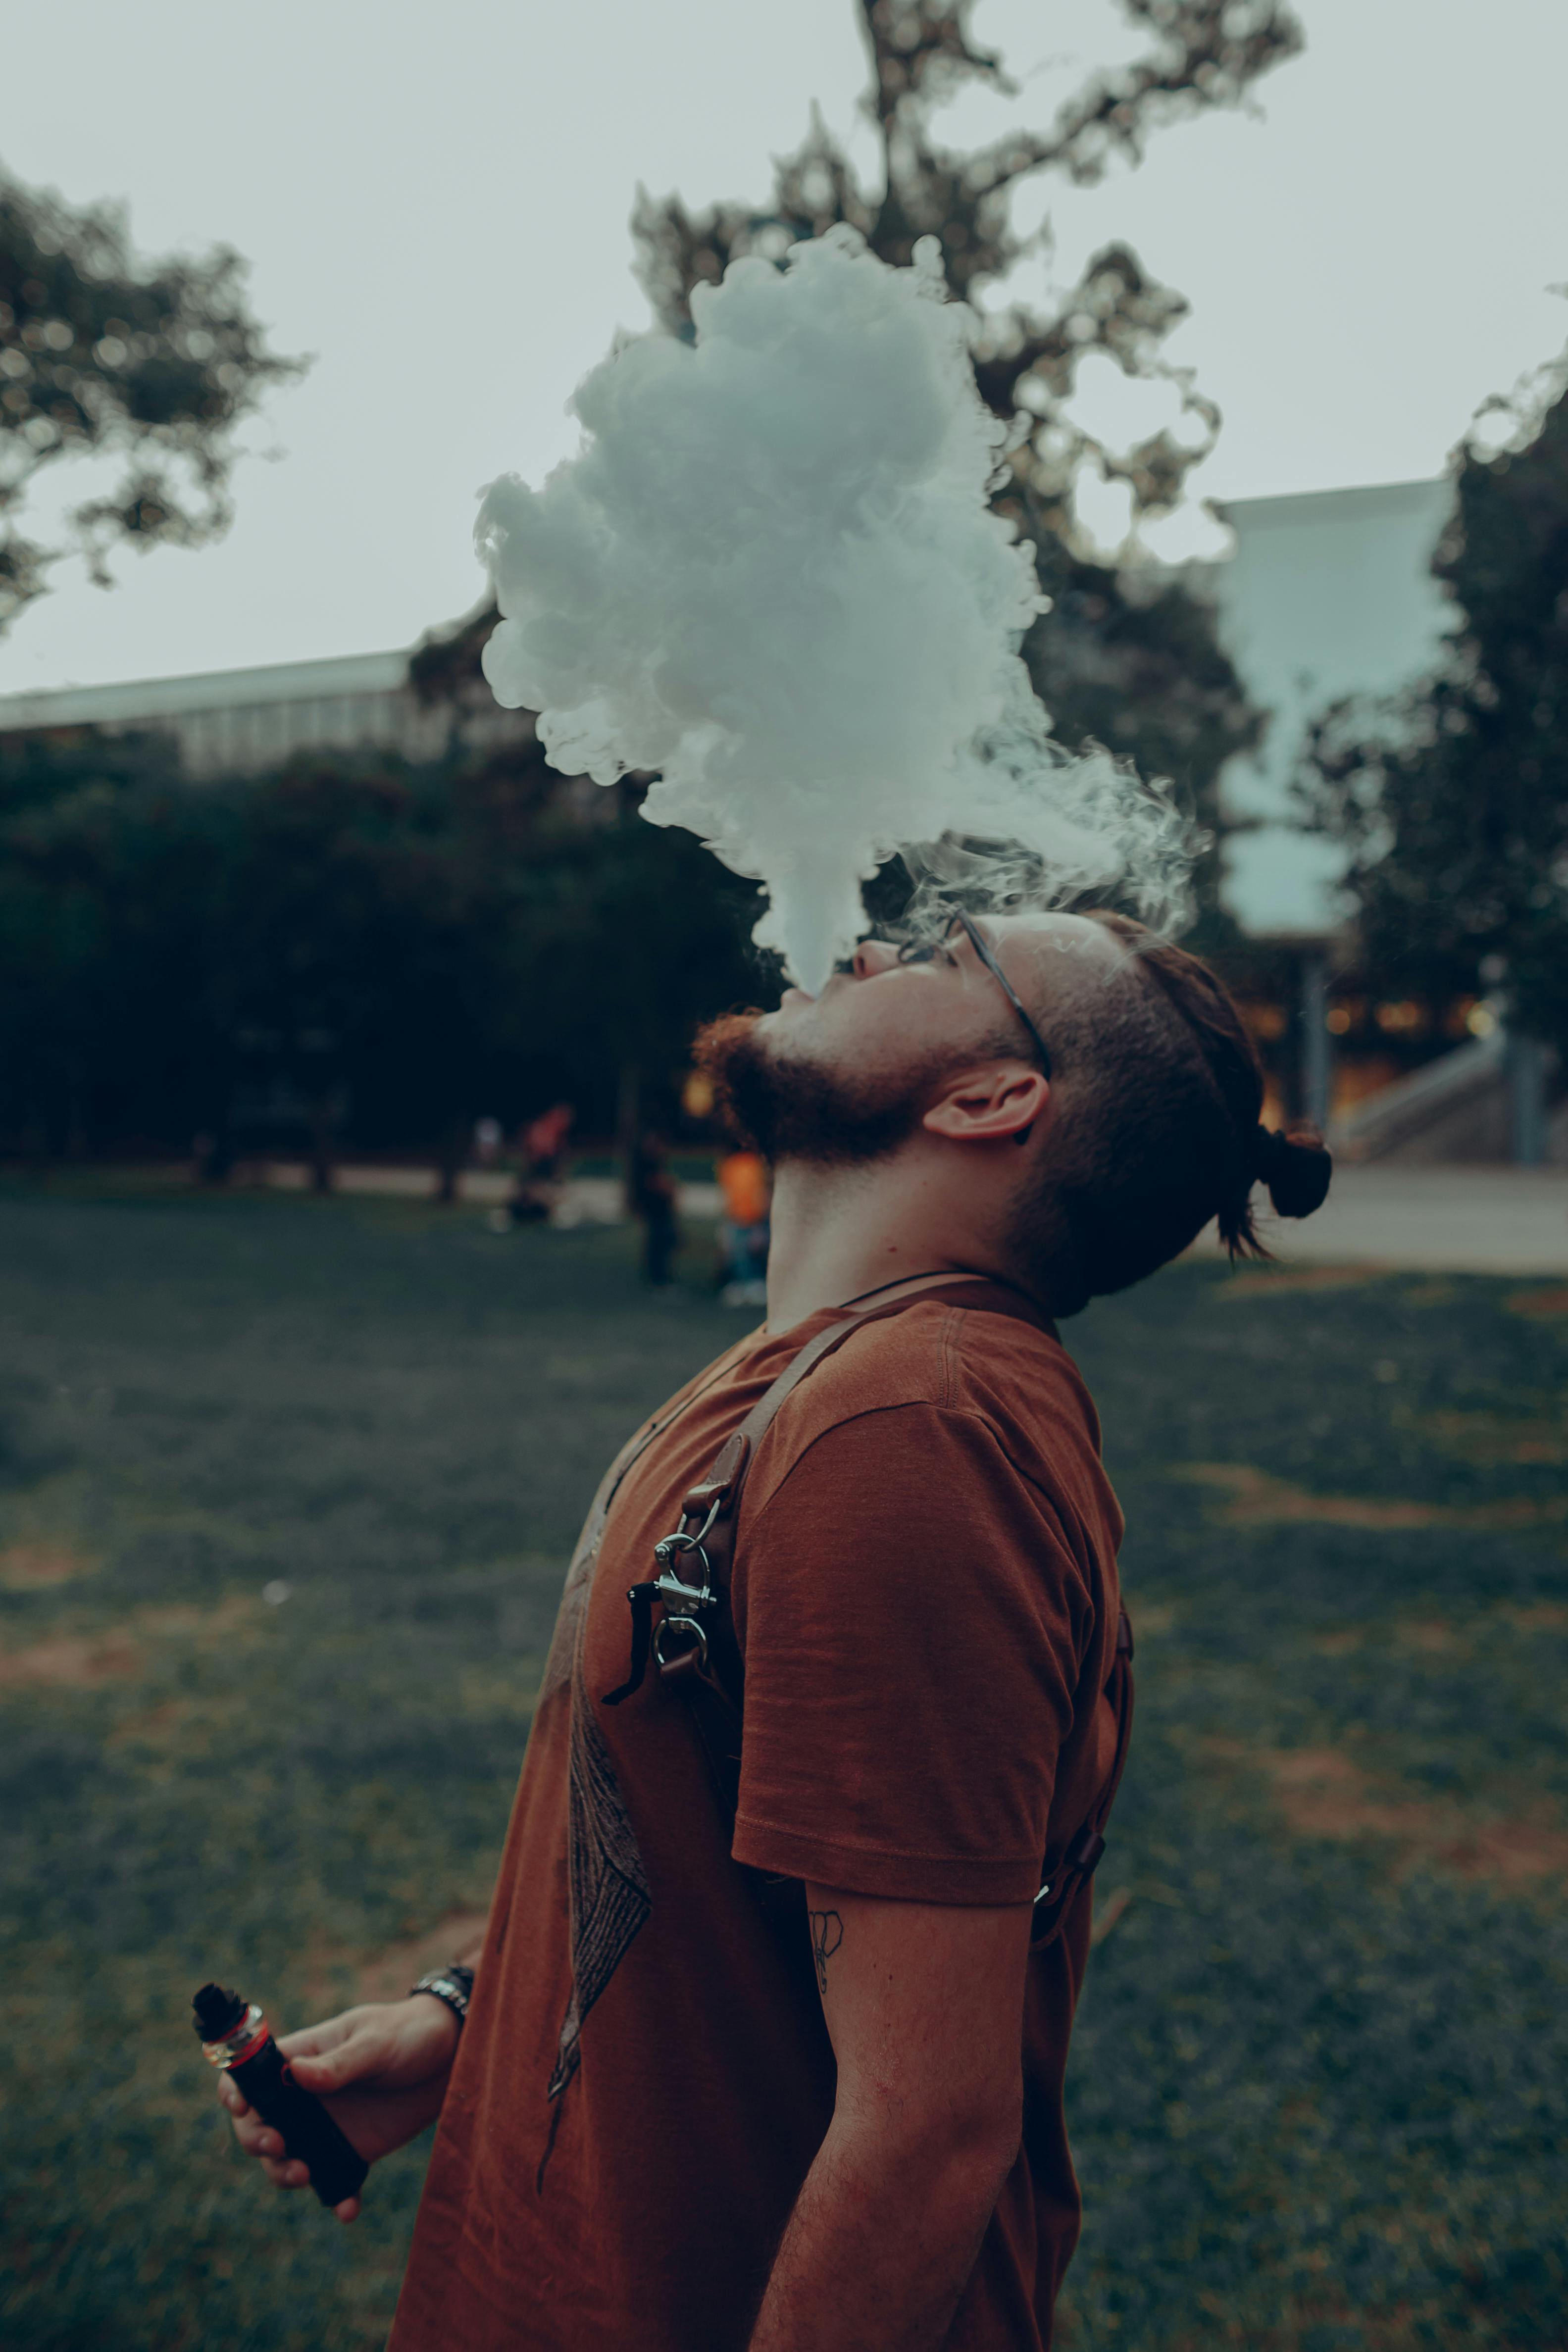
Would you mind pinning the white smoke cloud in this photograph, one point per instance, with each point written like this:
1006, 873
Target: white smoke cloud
771, 573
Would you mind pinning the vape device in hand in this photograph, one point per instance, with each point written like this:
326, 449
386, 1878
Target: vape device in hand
237, 2037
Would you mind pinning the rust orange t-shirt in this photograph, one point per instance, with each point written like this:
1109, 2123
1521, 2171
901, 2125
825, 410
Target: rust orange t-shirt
924, 1591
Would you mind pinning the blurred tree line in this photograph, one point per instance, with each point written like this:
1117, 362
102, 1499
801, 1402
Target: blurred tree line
1453, 797
413, 947
424, 945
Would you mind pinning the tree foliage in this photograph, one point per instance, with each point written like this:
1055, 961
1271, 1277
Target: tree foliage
108, 867
151, 365
416, 946
1127, 658
1130, 660
1202, 54
1453, 798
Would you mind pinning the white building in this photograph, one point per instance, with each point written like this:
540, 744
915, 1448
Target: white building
1329, 593
234, 720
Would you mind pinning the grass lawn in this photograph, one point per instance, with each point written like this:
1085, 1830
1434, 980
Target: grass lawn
1320, 2096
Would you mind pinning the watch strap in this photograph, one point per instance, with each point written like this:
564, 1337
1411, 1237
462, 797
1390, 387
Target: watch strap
454, 1984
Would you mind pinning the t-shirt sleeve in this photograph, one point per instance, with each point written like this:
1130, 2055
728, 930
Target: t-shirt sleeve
914, 1620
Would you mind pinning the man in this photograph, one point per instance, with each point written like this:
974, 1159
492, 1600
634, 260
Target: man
651, 1198
792, 2079
743, 1185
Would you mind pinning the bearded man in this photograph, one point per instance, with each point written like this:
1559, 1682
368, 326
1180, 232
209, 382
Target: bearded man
767, 2033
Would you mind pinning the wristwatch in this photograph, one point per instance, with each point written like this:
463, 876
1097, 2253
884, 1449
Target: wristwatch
454, 1984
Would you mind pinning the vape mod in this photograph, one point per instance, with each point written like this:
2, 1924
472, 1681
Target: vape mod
237, 2037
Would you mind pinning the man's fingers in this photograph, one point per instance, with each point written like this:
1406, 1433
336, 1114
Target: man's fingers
314, 2041
348, 2210
284, 2172
364, 2047
260, 2140
330, 2072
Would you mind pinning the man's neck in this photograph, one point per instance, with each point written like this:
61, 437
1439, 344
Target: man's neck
838, 1233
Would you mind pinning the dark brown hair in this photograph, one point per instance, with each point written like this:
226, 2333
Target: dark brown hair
1160, 1089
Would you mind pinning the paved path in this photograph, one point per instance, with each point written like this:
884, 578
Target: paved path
1450, 1220
586, 1200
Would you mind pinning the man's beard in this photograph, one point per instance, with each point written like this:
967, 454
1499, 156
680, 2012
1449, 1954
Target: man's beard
793, 1110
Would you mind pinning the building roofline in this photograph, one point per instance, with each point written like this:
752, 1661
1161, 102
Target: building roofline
218, 689
1327, 506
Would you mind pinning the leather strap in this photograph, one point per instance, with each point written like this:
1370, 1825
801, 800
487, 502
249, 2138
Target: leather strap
715, 1501
711, 1660
709, 1669
1060, 1881
716, 1497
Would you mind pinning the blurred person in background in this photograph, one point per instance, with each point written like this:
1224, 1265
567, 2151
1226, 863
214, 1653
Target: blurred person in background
650, 1197
746, 1191
542, 1162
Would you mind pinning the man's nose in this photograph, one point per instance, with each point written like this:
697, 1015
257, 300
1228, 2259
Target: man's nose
871, 957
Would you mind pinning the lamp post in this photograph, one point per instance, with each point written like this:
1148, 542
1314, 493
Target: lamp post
1317, 1051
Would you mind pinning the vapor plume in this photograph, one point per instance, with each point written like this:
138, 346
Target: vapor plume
771, 575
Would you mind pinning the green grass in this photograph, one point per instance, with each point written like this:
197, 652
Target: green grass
1318, 2093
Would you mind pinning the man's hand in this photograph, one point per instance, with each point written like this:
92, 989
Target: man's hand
380, 2071
925, 2006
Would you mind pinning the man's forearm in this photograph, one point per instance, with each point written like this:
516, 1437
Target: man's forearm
882, 2243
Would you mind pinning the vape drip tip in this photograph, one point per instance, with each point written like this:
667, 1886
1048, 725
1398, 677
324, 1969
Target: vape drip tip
229, 2028
217, 2013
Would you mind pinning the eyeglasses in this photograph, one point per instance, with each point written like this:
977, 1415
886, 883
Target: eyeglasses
912, 953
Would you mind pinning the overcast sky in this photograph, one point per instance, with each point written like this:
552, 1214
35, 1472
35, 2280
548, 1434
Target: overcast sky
434, 203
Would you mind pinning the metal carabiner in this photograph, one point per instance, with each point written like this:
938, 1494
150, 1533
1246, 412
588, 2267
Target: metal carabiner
686, 1625
671, 1586
706, 1529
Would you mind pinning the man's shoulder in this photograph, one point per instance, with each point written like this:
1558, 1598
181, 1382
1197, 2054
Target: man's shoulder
940, 1415
947, 1360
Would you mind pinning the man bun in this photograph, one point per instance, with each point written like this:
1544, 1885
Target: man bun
1162, 1092
1296, 1167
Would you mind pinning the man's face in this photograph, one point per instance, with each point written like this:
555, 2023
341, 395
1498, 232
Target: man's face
847, 1075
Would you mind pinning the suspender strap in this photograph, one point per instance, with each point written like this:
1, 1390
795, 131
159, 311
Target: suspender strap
693, 1642
713, 1504
687, 1643
1061, 1882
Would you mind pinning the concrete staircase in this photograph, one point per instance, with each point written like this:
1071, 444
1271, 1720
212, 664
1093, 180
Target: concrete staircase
1490, 1102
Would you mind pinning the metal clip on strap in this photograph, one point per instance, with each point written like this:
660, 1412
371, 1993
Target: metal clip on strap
708, 1511
641, 1597
1076, 1867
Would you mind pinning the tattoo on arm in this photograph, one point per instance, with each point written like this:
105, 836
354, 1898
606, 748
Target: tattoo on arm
826, 1934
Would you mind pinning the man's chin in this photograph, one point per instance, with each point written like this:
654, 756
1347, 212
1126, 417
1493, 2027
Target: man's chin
788, 1105
730, 1051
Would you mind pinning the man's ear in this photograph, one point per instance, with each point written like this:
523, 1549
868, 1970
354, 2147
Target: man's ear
995, 1103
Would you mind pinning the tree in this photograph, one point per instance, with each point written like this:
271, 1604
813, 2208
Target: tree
1130, 660
402, 948
151, 364
619, 936
110, 865
1205, 53
1453, 798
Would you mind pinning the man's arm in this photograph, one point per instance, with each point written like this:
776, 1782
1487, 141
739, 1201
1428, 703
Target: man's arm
924, 2003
